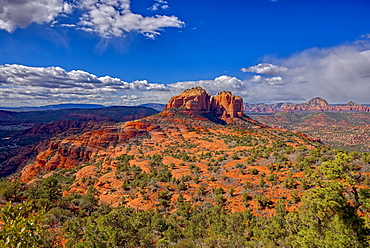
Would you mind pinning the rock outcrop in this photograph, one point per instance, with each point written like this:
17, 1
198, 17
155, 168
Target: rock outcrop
27, 132
316, 104
195, 99
225, 104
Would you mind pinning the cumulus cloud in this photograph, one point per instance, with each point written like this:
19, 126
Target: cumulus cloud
266, 68
218, 84
270, 69
113, 18
270, 80
23, 85
159, 4
338, 74
21, 13
106, 18
33, 85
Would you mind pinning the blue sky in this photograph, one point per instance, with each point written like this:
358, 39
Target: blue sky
130, 52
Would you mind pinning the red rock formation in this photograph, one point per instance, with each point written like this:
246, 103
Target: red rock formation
75, 150
195, 99
227, 105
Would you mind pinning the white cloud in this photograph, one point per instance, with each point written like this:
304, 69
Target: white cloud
338, 74
270, 69
113, 18
106, 18
21, 13
159, 4
218, 84
32, 85
270, 80
23, 85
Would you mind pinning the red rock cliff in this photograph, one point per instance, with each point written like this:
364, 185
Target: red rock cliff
227, 105
197, 99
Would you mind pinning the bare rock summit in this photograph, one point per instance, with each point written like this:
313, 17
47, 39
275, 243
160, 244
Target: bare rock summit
194, 99
225, 104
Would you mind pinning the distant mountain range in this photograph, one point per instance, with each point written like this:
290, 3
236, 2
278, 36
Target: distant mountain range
316, 104
156, 106
115, 114
54, 107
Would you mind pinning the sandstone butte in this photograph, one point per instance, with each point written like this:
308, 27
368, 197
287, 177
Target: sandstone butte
225, 104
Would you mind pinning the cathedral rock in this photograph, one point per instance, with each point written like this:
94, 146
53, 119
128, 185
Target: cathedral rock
225, 104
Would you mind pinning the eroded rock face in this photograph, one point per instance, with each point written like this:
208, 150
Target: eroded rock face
197, 99
227, 105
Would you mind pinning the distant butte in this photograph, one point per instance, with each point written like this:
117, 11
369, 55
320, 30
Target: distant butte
224, 105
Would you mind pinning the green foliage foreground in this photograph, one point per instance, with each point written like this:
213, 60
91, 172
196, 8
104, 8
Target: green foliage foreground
333, 212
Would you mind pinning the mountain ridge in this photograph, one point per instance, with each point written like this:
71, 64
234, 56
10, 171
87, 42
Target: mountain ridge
53, 107
316, 104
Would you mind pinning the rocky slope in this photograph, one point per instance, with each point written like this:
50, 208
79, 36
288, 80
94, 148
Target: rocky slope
316, 104
185, 147
24, 134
